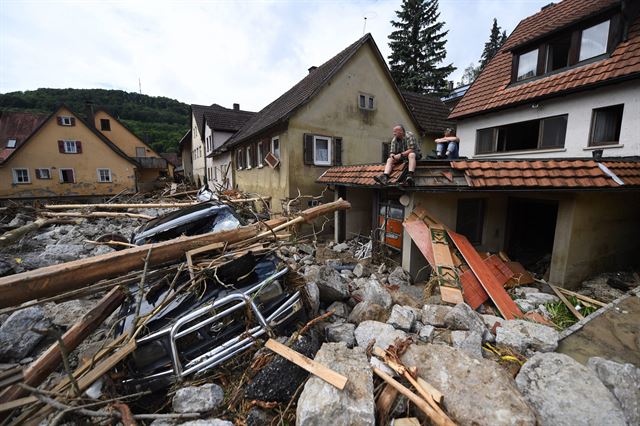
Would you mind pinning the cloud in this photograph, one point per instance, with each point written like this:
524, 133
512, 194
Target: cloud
211, 51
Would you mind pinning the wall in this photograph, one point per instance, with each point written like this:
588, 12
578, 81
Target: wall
579, 106
187, 161
197, 161
220, 163
358, 217
41, 151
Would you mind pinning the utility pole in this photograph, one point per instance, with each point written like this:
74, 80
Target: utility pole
139, 85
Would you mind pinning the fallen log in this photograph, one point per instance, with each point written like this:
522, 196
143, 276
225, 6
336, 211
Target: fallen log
118, 206
56, 279
40, 369
98, 215
14, 235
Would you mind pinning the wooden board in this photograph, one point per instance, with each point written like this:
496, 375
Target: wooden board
445, 269
494, 289
473, 292
421, 236
499, 269
520, 275
568, 304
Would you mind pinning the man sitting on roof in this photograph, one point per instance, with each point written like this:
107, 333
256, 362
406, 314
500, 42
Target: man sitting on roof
404, 147
451, 142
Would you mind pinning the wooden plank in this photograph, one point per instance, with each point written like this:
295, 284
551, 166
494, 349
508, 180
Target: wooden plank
494, 289
337, 380
435, 393
520, 275
445, 269
499, 269
406, 421
119, 206
473, 292
568, 304
421, 236
581, 297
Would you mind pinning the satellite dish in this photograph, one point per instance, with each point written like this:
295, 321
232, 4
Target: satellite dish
405, 200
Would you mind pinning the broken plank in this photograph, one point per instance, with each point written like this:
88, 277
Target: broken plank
581, 297
473, 292
435, 393
499, 269
568, 304
445, 270
335, 379
119, 206
494, 289
421, 236
97, 215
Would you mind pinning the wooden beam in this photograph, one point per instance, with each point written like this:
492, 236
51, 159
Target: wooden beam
581, 297
119, 206
97, 215
568, 304
313, 367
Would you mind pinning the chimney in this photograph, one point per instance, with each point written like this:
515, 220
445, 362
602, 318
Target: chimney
236, 107
88, 112
312, 69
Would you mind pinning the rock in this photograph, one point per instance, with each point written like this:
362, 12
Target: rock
331, 285
523, 291
470, 342
525, 305
564, 392
377, 363
372, 291
462, 317
341, 247
361, 270
491, 320
311, 273
623, 381
198, 399
279, 379
6, 268
541, 298
425, 334
340, 310
341, 332
19, 220
402, 317
365, 310
259, 417
384, 334
16, 338
67, 313
322, 404
407, 295
382, 268
434, 314
306, 248
399, 277
313, 293
477, 391
523, 335
207, 422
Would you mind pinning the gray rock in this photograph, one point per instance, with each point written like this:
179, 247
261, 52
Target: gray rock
361, 270
67, 313
491, 320
16, 338
523, 291
623, 381
306, 248
399, 277
313, 293
331, 285
523, 335
402, 317
462, 317
365, 310
311, 273
469, 342
541, 298
198, 399
382, 268
407, 295
525, 305
322, 404
434, 314
425, 334
341, 332
340, 310
465, 382
207, 422
384, 334
372, 291
259, 417
341, 247
566, 393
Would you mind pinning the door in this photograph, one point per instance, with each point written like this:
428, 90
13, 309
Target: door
390, 219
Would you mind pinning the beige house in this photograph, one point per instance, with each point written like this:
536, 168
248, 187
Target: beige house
342, 112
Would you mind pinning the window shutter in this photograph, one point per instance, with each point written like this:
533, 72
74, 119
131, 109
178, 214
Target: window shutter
254, 163
61, 146
79, 147
308, 148
337, 151
38, 174
385, 150
59, 120
73, 121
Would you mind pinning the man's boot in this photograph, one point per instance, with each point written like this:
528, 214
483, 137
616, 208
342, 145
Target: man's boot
409, 180
382, 179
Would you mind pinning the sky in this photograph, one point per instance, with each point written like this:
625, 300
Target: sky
206, 51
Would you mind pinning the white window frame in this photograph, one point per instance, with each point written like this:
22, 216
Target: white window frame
100, 176
273, 148
260, 155
239, 154
322, 163
15, 171
582, 40
72, 171
521, 77
367, 98
248, 157
11, 143
41, 169
65, 120
68, 147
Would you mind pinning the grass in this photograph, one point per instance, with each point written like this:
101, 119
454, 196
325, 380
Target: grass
562, 317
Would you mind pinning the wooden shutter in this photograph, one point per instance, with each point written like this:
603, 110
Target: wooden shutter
337, 151
78, 147
59, 120
308, 148
386, 146
38, 176
61, 146
73, 121
254, 155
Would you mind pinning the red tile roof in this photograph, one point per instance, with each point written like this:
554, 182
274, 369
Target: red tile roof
18, 126
627, 171
492, 89
359, 175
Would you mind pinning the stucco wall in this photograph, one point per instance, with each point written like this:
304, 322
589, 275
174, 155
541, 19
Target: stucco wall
187, 161
219, 163
41, 151
121, 137
358, 217
197, 162
579, 107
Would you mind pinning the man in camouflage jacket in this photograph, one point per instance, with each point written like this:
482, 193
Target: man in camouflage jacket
404, 147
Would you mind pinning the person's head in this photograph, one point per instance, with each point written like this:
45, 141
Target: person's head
398, 131
449, 132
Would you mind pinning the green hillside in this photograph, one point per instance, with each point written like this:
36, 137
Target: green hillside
159, 121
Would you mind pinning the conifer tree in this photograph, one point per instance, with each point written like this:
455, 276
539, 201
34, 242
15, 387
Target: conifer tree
496, 40
418, 48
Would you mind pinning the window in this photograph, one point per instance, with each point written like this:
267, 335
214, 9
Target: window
71, 147
105, 124
363, 101
545, 133
21, 176
260, 156
141, 152
43, 174
558, 53
248, 154
594, 41
605, 125
321, 151
366, 101
239, 158
527, 65
104, 175
67, 176
11, 143
65, 120
275, 146
470, 219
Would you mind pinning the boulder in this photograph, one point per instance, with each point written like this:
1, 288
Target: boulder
523, 291
16, 338
462, 317
470, 342
361, 270
402, 317
491, 320
623, 381
477, 391
399, 277
384, 334
322, 404
340, 310
566, 393
331, 285
311, 273
407, 295
541, 298
198, 399
341, 332
313, 293
525, 305
365, 310
524, 335
372, 291
434, 314
425, 333
67, 313
339, 248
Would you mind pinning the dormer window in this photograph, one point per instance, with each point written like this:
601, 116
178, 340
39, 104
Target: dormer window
11, 143
594, 41
558, 53
527, 64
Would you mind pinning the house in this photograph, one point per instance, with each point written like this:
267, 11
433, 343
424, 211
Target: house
153, 170
564, 86
211, 127
431, 113
342, 112
186, 154
60, 155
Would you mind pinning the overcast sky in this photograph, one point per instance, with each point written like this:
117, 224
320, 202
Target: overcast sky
208, 51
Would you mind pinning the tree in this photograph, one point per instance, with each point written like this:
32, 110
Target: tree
496, 40
418, 48
470, 74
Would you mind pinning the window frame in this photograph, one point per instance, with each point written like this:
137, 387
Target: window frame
39, 172
273, 149
98, 170
14, 173
68, 144
329, 149
65, 120
592, 126
73, 173
239, 154
517, 65
102, 125
259, 155
368, 100
606, 43
247, 157
11, 143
